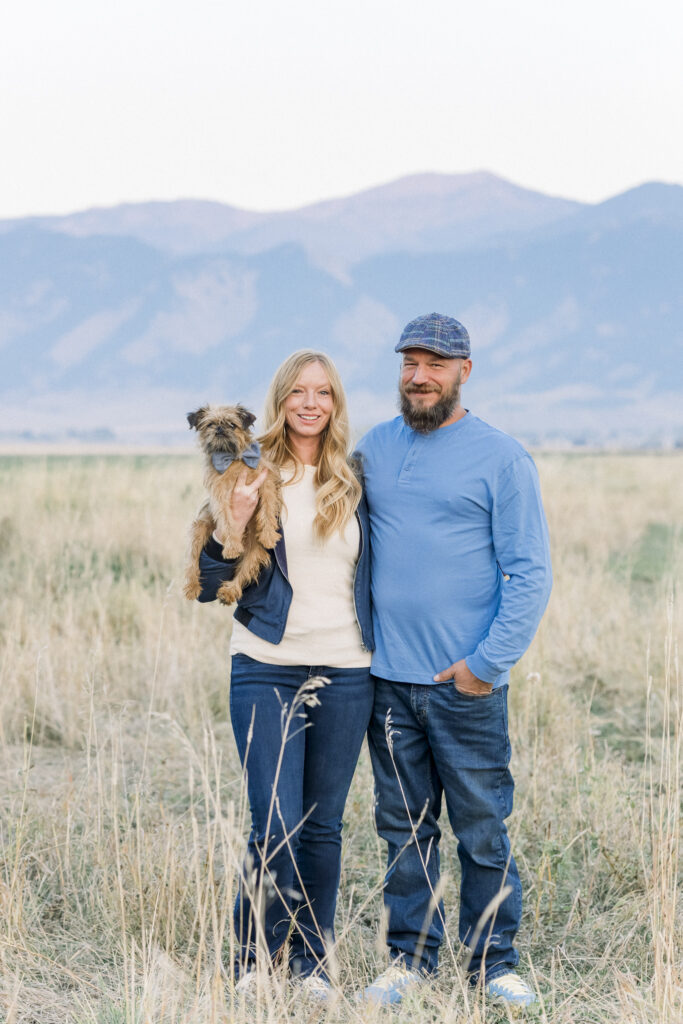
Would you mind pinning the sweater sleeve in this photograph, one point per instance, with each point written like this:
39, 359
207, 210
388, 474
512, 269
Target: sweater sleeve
520, 540
214, 570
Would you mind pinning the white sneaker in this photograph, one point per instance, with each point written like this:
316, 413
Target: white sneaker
510, 990
246, 986
392, 985
315, 987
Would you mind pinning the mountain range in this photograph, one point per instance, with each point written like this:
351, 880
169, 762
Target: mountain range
115, 322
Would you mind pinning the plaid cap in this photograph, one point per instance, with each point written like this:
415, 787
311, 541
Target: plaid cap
438, 333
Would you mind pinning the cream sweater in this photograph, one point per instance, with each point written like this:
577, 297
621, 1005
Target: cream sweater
321, 625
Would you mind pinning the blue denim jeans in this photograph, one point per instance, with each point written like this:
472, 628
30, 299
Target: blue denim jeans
299, 762
445, 744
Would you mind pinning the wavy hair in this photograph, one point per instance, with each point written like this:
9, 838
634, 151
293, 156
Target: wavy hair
337, 488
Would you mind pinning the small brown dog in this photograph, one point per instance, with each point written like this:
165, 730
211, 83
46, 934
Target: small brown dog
228, 444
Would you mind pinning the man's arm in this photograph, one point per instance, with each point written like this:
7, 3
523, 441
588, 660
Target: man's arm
520, 540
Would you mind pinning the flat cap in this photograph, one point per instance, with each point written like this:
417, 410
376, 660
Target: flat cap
437, 333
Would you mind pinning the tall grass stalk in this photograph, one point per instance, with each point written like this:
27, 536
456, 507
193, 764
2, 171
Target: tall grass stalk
662, 834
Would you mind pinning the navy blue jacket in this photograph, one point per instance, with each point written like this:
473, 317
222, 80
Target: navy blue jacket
264, 605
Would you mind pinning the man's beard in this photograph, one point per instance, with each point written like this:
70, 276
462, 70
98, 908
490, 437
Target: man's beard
425, 419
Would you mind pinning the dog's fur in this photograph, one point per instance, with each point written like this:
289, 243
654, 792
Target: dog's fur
226, 428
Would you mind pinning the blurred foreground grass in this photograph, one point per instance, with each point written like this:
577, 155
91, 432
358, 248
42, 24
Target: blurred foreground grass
122, 812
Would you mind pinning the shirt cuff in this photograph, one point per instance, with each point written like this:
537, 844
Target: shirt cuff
482, 669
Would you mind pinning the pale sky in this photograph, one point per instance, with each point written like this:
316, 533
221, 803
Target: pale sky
269, 105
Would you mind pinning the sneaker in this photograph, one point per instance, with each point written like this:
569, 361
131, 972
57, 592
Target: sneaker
392, 985
246, 986
509, 989
315, 987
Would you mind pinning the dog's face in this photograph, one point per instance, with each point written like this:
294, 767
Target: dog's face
222, 428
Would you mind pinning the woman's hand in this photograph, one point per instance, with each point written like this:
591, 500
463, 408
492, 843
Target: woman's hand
243, 501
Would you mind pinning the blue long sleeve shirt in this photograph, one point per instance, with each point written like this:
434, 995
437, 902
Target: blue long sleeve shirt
460, 557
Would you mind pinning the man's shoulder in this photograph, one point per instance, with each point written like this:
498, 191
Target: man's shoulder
501, 446
381, 433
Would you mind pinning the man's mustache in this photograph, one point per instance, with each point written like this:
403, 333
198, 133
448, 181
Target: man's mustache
420, 389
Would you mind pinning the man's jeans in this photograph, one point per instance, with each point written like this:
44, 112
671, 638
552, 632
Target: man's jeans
445, 743
299, 762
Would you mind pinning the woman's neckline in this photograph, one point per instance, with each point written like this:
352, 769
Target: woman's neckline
290, 471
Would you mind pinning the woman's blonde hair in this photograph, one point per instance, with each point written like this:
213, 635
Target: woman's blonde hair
337, 488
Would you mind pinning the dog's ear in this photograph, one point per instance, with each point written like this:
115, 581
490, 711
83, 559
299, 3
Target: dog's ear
195, 418
246, 418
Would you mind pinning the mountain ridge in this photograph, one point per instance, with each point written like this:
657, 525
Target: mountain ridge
114, 334
425, 201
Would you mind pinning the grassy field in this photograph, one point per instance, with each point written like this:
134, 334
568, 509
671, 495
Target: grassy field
122, 812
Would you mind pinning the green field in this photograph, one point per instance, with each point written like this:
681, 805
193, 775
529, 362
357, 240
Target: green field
123, 815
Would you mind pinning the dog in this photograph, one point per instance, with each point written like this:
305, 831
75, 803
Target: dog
225, 437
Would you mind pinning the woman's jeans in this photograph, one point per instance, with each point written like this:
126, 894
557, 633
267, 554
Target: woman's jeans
299, 757
427, 742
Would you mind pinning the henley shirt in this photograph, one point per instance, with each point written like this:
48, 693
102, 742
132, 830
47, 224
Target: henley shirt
460, 555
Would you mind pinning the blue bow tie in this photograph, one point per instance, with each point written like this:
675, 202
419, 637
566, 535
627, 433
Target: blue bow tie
251, 456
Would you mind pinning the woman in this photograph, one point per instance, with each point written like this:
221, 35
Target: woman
307, 616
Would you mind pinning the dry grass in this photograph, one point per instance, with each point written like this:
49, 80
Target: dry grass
122, 811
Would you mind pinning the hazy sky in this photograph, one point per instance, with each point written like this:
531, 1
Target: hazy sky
275, 104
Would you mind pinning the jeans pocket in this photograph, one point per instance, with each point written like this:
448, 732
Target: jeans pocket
473, 696
479, 729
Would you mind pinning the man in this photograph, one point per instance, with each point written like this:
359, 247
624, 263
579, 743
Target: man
460, 579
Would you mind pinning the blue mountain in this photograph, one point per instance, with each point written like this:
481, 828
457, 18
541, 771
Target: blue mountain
109, 322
